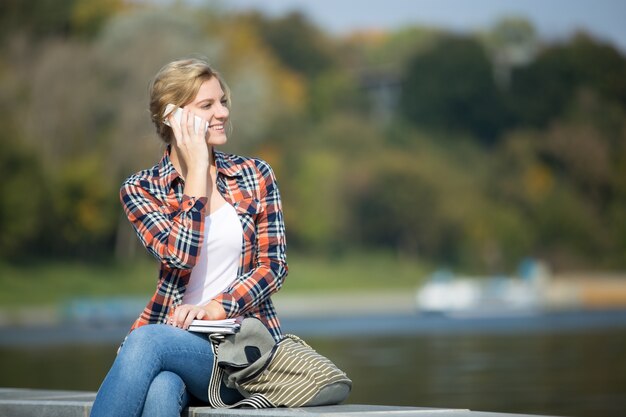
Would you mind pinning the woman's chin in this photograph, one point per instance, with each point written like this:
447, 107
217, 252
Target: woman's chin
217, 140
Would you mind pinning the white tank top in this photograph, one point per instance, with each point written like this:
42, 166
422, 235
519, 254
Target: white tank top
219, 257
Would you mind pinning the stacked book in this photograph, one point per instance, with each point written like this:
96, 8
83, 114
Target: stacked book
226, 326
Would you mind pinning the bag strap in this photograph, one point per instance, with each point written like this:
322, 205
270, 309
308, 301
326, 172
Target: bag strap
297, 339
217, 376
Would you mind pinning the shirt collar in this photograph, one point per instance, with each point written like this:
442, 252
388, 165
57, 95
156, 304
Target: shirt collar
224, 163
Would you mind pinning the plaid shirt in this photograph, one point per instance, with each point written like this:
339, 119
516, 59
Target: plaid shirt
170, 225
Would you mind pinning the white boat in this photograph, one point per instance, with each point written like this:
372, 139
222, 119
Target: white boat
454, 295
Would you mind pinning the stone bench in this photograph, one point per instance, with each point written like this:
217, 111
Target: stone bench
16, 402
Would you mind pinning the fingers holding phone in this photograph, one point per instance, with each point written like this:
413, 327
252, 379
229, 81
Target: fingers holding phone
190, 135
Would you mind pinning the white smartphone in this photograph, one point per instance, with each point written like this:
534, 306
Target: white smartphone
178, 114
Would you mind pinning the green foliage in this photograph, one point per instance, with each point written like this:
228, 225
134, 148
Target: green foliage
298, 44
24, 203
85, 214
385, 52
38, 18
467, 150
53, 18
451, 87
318, 193
335, 92
88, 16
545, 88
322, 182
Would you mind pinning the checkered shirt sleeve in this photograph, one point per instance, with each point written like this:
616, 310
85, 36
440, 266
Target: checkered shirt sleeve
174, 238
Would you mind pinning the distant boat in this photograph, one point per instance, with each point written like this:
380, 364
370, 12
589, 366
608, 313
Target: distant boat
454, 295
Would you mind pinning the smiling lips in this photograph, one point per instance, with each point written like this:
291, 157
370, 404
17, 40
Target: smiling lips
217, 126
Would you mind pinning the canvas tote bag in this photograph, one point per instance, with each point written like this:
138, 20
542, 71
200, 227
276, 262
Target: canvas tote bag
287, 373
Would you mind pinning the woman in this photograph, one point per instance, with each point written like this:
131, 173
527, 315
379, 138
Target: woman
215, 223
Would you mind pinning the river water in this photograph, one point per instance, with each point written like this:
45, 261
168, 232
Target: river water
563, 364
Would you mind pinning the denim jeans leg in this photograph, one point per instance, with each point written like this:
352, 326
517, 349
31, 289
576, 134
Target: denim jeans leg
166, 397
147, 352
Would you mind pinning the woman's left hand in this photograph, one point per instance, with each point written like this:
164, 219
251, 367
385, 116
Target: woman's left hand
184, 314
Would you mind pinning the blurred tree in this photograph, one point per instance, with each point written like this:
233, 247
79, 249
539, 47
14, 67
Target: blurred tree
63, 121
89, 16
320, 181
543, 90
38, 18
402, 211
616, 212
83, 210
24, 187
376, 61
300, 45
321, 217
25, 198
570, 234
395, 49
336, 92
42, 19
256, 77
565, 180
581, 155
451, 88
421, 201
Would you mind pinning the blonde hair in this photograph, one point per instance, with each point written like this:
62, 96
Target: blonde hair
178, 83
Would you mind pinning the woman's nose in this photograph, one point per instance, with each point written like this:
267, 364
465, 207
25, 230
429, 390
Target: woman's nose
221, 111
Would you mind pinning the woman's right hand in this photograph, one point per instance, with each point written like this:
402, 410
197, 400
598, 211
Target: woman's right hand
191, 147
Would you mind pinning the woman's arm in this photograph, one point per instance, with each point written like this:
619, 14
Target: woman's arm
173, 238
251, 289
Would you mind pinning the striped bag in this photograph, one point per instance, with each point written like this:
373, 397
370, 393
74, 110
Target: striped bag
287, 373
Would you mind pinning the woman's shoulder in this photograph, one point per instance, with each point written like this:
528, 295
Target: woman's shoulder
161, 173
147, 180
148, 174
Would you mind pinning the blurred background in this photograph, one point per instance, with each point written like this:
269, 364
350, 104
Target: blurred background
453, 176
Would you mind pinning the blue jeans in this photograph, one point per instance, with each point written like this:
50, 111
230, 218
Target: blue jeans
156, 373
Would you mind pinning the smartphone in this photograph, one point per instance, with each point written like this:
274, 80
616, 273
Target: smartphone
178, 114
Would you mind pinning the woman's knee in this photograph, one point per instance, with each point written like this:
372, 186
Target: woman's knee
142, 342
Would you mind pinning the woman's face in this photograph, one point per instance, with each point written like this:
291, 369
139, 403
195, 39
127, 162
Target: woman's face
210, 104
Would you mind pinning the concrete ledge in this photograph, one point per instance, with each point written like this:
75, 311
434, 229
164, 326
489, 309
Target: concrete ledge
16, 402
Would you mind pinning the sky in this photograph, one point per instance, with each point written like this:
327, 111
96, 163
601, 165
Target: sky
553, 19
